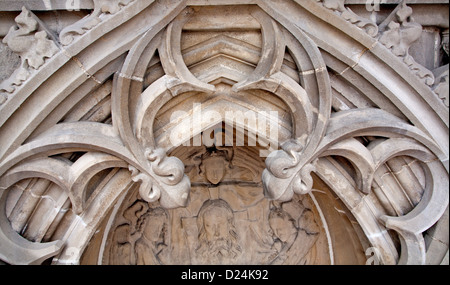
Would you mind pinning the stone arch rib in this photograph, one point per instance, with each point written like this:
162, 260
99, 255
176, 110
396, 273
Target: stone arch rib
288, 170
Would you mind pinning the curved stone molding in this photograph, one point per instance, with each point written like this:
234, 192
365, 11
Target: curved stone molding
272, 53
88, 136
80, 135
14, 248
32, 44
182, 80
359, 156
286, 172
433, 204
83, 170
285, 175
19, 251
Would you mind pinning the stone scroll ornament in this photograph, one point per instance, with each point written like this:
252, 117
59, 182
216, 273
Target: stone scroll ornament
124, 145
285, 175
167, 182
30, 41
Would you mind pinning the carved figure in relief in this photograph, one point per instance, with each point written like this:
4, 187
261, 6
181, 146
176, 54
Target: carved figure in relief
151, 247
217, 239
213, 163
120, 251
292, 242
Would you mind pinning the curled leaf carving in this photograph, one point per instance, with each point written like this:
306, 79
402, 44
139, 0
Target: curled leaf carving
170, 169
164, 181
287, 173
31, 44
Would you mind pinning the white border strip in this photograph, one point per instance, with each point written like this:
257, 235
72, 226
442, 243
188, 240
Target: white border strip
108, 227
325, 225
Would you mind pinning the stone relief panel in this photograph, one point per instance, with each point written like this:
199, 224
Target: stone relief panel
223, 223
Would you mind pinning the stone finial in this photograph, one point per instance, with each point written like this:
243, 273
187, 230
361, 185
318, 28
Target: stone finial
33, 47
401, 32
398, 32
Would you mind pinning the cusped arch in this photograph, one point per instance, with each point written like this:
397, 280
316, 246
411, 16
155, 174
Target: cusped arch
319, 41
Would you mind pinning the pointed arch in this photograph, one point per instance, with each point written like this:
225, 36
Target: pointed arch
118, 45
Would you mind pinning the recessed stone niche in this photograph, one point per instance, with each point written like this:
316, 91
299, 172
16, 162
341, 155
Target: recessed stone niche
229, 221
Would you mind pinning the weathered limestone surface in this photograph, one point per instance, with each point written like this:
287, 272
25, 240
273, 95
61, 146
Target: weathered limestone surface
224, 132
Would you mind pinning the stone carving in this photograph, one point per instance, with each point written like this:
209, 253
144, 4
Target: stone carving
121, 248
31, 43
286, 174
151, 247
339, 7
441, 86
166, 180
217, 239
284, 40
445, 41
143, 238
399, 32
81, 27
292, 239
226, 224
213, 164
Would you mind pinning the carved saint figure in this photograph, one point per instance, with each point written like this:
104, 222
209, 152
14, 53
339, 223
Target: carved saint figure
213, 163
120, 251
292, 243
151, 247
214, 169
218, 239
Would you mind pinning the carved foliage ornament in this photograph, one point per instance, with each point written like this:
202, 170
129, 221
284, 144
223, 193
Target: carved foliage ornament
167, 177
398, 32
345, 12
81, 27
32, 44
